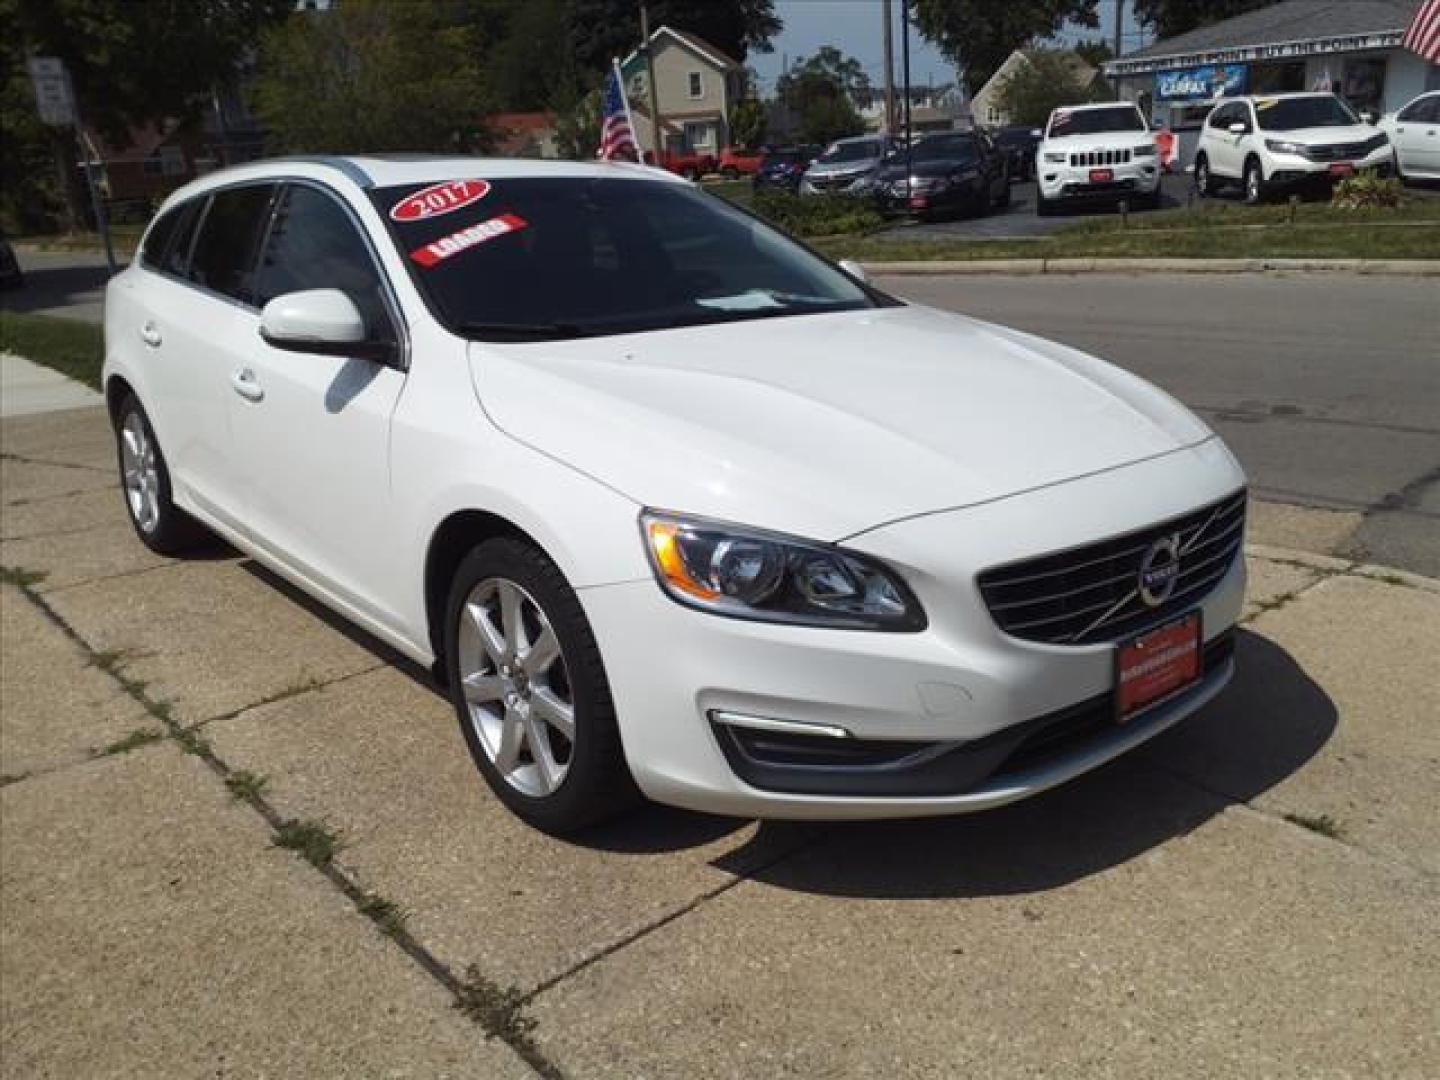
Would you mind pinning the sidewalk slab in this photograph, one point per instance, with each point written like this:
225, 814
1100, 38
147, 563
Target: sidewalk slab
27, 388
30, 480
210, 637
151, 929
80, 437
102, 508
55, 707
1367, 706
382, 759
1009, 945
1300, 528
68, 558
1270, 581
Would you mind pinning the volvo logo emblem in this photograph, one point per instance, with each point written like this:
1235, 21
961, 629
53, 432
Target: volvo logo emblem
1160, 570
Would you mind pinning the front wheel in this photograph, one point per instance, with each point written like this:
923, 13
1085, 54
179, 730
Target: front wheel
1204, 178
530, 690
145, 479
1043, 206
1254, 183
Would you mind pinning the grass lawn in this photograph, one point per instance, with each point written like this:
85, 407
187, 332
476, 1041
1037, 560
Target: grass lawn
70, 347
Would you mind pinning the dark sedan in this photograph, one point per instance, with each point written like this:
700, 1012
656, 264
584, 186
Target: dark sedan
950, 173
1020, 144
782, 167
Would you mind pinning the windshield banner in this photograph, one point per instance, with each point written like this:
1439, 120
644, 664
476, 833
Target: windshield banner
1200, 83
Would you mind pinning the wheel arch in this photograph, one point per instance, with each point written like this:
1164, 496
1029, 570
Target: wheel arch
117, 388
451, 541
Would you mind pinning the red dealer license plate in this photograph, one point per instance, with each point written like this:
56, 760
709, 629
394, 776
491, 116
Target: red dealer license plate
1342, 169
1101, 176
1157, 665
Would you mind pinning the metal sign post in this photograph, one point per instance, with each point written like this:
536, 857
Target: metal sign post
55, 102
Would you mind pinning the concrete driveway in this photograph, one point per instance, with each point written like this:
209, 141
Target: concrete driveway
1255, 893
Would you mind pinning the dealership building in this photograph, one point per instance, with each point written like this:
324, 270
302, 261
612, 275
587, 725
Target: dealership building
1350, 47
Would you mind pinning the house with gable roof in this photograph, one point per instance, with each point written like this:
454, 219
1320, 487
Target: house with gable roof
698, 86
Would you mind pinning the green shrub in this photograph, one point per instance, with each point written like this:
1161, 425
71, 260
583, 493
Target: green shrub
817, 215
1367, 191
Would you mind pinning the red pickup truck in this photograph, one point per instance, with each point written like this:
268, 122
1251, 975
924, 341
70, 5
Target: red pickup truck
690, 164
737, 161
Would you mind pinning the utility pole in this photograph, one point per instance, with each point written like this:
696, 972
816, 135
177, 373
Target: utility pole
905, 75
1119, 38
654, 94
888, 15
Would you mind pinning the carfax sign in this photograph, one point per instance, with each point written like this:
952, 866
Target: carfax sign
1200, 83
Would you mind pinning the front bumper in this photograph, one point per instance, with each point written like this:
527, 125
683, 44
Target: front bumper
1292, 170
953, 197
822, 185
961, 684
1074, 182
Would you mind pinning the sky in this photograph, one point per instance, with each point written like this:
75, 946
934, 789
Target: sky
854, 27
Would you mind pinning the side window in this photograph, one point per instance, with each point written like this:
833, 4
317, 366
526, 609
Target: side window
1218, 118
1424, 111
176, 260
224, 256
157, 240
314, 244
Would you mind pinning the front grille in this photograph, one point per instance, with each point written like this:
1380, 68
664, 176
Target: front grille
1091, 594
1101, 157
1338, 151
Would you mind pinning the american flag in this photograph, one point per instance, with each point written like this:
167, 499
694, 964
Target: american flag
1423, 37
617, 137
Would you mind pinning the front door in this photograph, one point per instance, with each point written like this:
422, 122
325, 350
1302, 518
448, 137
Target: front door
313, 431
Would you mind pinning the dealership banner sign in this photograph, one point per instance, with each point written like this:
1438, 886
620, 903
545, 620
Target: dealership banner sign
1200, 83
1280, 50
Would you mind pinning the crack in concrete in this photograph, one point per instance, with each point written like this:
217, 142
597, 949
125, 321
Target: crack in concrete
21, 459
498, 1023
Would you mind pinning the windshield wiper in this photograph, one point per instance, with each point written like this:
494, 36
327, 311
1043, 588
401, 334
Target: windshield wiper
513, 331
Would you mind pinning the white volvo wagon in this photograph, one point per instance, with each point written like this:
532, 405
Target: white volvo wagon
672, 505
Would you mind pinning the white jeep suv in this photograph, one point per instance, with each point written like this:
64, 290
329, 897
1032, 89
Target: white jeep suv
1097, 152
1285, 141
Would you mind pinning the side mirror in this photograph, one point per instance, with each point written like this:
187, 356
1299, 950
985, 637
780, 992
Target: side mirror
855, 270
1369, 118
1238, 128
1036, 133
1157, 125
324, 322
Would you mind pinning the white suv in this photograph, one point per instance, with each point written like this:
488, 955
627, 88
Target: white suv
1097, 152
670, 502
1285, 141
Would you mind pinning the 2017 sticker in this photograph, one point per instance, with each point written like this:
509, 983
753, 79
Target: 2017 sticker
442, 249
439, 199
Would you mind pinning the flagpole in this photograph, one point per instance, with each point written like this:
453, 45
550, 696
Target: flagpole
625, 104
655, 149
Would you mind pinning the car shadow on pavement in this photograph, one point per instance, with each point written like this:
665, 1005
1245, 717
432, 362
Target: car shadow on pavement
1270, 721
49, 287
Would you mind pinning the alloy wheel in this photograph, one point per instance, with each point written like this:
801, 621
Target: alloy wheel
516, 686
140, 473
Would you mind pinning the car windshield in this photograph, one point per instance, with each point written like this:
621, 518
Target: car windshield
785, 157
850, 151
1291, 114
544, 258
939, 148
1094, 121
1014, 137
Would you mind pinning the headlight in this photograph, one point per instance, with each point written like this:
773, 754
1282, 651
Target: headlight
1280, 146
1148, 150
1055, 157
767, 577
1376, 142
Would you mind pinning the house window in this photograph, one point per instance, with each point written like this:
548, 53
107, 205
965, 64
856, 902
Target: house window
697, 85
697, 136
167, 161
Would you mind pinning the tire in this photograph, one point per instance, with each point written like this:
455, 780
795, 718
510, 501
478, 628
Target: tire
1003, 203
1149, 202
1043, 206
729, 172
145, 483
1204, 178
690, 173
557, 782
1254, 181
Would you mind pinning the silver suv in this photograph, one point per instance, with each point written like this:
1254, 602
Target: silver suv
847, 167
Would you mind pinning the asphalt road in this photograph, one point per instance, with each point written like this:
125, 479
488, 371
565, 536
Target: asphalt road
1326, 387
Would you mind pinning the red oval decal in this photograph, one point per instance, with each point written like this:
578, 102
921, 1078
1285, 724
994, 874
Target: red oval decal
439, 199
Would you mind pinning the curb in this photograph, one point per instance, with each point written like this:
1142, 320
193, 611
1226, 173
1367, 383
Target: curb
1032, 267
1329, 564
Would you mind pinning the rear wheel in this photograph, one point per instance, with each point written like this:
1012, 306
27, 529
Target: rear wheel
1043, 206
1204, 178
145, 480
530, 691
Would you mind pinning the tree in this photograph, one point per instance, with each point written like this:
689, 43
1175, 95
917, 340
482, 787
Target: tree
747, 123
369, 75
1170, 17
131, 62
1094, 52
528, 65
978, 35
1046, 82
602, 29
818, 93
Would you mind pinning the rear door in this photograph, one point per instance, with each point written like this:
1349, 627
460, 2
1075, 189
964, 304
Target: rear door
1417, 136
190, 334
313, 431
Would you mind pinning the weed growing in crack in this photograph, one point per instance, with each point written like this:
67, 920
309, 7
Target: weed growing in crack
192, 742
1323, 824
136, 739
389, 916
20, 577
499, 1010
244, 784
313, 841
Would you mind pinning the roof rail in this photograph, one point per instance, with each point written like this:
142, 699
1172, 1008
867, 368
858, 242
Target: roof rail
333, 161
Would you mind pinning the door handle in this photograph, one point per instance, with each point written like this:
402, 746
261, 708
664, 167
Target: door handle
244, 383
150, 334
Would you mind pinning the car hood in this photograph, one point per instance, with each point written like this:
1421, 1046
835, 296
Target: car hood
1324, 136
934, 167
826, 425
843, 168
1103, 140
